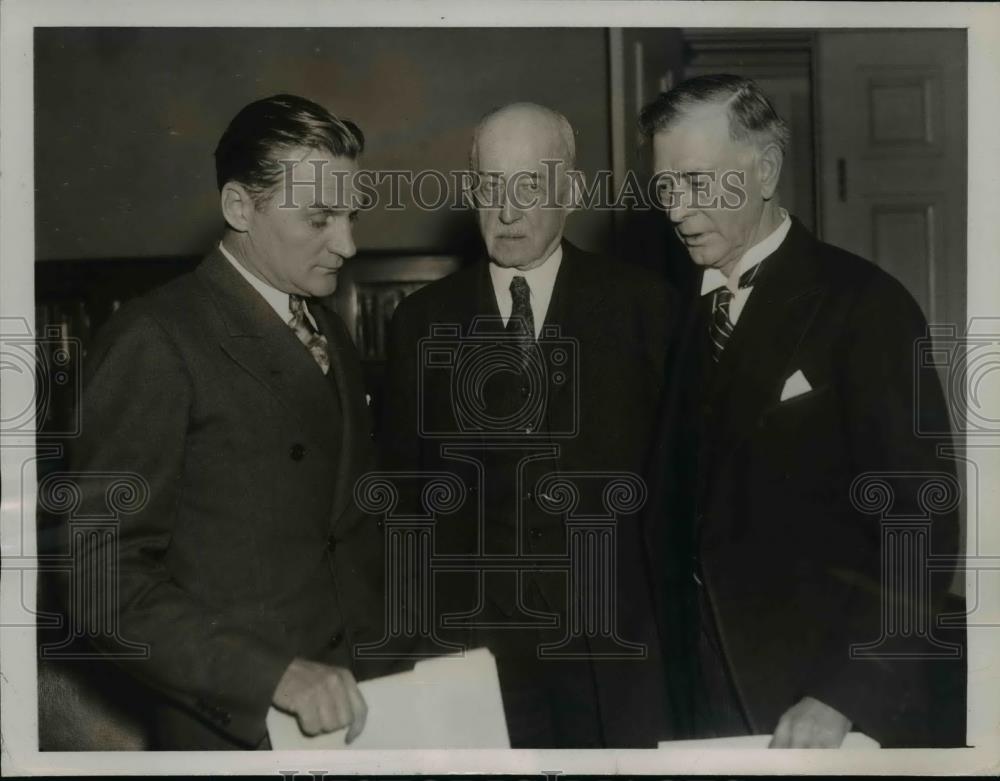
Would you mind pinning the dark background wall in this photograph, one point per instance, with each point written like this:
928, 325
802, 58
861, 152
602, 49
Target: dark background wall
127, 119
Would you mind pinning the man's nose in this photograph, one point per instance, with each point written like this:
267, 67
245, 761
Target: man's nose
508, 212
341, 241
679, 207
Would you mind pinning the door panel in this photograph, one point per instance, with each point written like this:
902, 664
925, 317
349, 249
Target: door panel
781, 64
892, 137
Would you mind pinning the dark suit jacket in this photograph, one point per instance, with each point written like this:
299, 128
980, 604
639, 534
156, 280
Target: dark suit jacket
756, 497
613, 322
249, 549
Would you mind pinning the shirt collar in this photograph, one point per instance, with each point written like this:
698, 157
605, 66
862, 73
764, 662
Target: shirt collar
539, 279
277, 299
713, 279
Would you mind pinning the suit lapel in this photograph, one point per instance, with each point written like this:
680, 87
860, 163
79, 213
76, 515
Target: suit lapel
690, 391
268, 350
485, 301
345, 374
576, 304
482, 310
757, 357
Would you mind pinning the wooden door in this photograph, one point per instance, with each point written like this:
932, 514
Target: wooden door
781, 64
892, 125
892, 140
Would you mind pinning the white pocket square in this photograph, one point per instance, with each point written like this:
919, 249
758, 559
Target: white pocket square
795, 385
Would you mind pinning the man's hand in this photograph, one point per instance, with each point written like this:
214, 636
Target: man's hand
323, 698
810, 724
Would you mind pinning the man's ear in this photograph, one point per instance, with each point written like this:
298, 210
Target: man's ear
237, 206
573, 195
769, 162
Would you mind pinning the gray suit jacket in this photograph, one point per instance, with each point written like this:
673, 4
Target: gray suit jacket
245, 548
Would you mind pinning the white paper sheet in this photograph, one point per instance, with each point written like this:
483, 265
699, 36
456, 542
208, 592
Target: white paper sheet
853, 741
446, 702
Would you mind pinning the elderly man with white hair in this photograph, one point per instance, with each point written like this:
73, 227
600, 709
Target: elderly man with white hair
569, 392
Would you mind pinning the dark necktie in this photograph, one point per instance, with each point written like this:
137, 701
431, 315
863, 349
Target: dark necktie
314, 341
721, 327
522, 321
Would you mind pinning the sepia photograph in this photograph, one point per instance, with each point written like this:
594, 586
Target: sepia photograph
448, 388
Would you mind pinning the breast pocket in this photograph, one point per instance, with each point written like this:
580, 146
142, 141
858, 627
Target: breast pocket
800, 440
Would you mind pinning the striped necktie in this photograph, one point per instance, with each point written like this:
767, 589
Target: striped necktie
721, 327
314, 341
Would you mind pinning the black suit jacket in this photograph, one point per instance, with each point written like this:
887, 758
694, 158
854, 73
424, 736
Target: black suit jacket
757, 502
245, 549
596, 412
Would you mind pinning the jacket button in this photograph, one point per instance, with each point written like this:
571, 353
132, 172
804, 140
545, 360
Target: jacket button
331, 543
536, 534
297, 452
336, 639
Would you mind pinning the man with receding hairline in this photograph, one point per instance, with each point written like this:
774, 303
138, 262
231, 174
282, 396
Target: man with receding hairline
793, 377
539, 292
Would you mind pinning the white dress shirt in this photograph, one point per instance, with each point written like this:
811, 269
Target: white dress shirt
714, 279
277, 299
540, 279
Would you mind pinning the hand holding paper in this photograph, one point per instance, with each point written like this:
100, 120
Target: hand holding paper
810, 724
322, 698
445, 702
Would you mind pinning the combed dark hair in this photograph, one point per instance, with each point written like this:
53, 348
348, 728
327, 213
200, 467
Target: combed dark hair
251, 148
752, 118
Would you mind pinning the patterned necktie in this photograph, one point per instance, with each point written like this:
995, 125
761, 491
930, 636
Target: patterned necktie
522, 321
314, 341
721, 327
